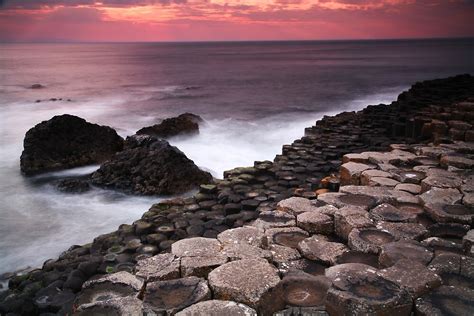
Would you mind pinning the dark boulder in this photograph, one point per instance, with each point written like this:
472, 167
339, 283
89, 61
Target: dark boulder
183, 124
73, 186
149, 166
67, 141
36, 86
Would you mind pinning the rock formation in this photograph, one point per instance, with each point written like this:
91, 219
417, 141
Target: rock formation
183, 124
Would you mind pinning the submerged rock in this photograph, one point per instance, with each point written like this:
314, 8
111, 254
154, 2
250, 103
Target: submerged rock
186, 123
67, 141
150, 166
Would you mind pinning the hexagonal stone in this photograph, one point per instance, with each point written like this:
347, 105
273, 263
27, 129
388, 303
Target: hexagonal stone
440, 182
404, 230
315, 223
273, 219
160, 267
389, 213
196, 247
408, 176
286, 236
359, 257
350, 172
173, 295
348, 218
344, 269
282, 254
245, 251
409, 187
367, 175
244, 281
360, 158
129, 305
217, 307
382, 182
454, 269
413, 276
115, 285
248, 234
460, 162
201, 266
328, 210
369, 240
450, 213
404, 249
378, 195
441, 196
446, 300
296, 205
366, 293
340, 200
314, 248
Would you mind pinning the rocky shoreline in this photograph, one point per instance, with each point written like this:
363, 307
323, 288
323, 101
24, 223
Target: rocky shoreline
188, 248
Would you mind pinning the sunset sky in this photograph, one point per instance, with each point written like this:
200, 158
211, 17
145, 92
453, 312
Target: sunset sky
209, 20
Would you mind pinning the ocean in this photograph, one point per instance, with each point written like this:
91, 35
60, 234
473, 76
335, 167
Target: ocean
254, 97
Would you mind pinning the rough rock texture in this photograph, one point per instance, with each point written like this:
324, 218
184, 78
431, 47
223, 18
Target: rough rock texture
150, 166
67, 141
183, 124
217, 307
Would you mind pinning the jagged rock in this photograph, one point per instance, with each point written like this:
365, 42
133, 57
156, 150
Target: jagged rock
67, 141
165, 266
318, 249
446, 300
296, 205
248, 235
244, 281
350, 172
172, 296
150, 166
196, 247
129, 305
183, 124
412, 276
73, 186
368, 240
366, 293
217, 307
348, 218
315, 223
115, 285
405, 249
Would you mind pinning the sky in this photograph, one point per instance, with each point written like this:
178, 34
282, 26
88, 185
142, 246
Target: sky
231, 20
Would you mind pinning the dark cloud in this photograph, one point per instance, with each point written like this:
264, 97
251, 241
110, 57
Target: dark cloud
35, 4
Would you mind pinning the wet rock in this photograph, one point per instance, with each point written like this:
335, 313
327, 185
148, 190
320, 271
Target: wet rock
368, 240
389, 213
115, 285
172, 296
248, 235
150, 166
73, 186
296, 205
404, 230
184, 124
315, 223
405, 249
441, 196
315, 248
160, 267
366, 293
217, 307
447, 213
413, 276
236, 281
348, 218
67, 141
446, 300
129, 305
287, 236
350, 172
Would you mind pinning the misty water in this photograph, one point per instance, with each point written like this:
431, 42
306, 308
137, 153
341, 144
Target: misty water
254, 97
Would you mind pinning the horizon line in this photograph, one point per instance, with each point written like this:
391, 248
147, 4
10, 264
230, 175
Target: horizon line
237, 41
